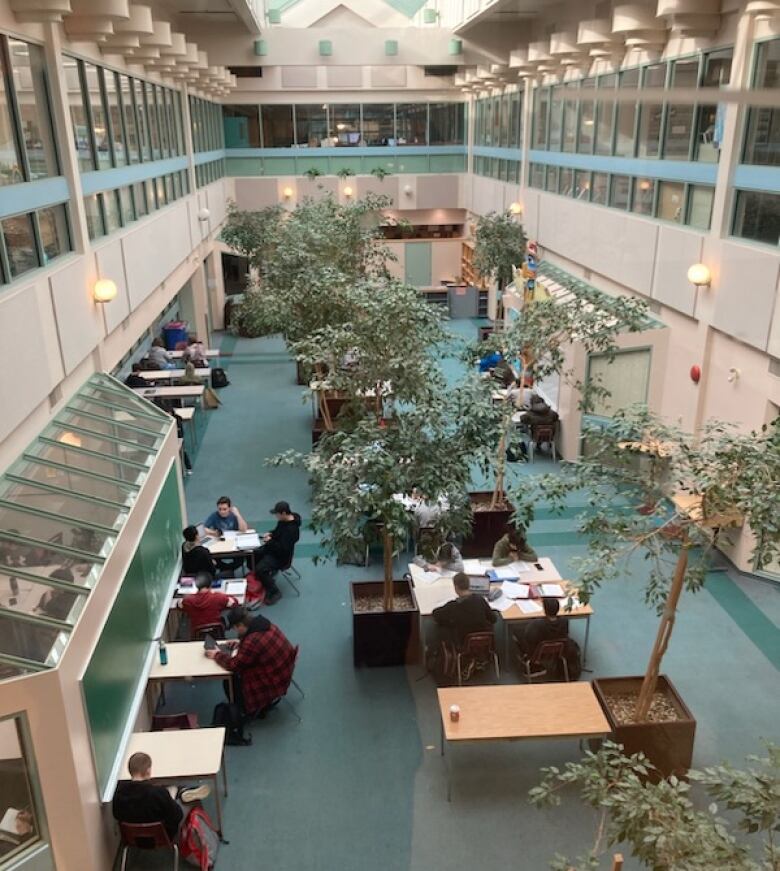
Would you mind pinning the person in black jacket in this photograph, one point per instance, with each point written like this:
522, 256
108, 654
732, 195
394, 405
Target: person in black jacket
465, 614
134, 379
277, 551
195, 558
139, 801
550, 628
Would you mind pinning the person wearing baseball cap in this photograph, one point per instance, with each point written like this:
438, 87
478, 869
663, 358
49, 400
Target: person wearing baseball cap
277, 551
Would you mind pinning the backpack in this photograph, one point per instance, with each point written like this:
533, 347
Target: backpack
219, 377
198, 840
255, 591
228, 714
571, 653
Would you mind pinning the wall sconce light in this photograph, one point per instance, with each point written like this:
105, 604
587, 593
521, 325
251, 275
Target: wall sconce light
408, 190
516, 208
204, 214
347, 191
287, 192
104, 290
734, 374
700, 275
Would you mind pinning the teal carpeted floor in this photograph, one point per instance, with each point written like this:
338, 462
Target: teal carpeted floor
359, 783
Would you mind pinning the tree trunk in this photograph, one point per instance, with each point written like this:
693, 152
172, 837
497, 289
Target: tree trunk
387, 546
498, 489
664, 634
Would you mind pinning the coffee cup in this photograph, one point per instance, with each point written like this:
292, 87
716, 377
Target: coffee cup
454, 713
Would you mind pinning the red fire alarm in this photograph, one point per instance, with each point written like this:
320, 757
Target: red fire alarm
695, 374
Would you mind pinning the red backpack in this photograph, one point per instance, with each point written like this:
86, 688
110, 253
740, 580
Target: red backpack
198, 840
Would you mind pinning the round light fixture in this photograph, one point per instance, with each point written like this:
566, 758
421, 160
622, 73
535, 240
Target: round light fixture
104, 290
700, 275
516, 208
204, 214
408, 190
288, 192
347, 191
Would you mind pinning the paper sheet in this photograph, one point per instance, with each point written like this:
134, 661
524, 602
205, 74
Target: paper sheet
528, 606
247, 540
474, 567
515, 591
553, 590
519, 567
501, 604
429, 577
504, 573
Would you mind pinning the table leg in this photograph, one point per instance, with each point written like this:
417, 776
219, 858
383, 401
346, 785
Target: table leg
219, 805
224, 772
587, 635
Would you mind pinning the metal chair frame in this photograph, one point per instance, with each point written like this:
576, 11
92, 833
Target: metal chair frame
489, 653
133, 832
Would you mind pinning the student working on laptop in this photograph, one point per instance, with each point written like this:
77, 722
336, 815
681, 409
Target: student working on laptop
463, 615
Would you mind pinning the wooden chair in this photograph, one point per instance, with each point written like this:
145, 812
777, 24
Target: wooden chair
173, 722
146, 836
217, 630
543, 432
547, 654
477, 653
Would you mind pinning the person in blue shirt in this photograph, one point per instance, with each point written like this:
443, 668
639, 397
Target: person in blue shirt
489, 361
225, 519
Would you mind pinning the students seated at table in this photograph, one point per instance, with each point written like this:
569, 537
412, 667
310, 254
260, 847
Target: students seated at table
134, 379
54, 602
159, 356
513, 546
504, 373
462, 616
489, 361
263, 660
447, 559
277, 551
196, 352
205, 607
551, 628
227, 518
195, 558
139, 801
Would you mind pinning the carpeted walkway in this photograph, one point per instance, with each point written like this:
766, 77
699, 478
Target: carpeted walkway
359, 783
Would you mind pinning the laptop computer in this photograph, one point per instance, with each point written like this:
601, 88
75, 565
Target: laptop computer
479, 585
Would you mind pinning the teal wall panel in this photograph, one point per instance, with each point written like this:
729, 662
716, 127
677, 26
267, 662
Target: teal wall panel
417, 268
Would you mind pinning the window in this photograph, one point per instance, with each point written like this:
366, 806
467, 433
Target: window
99, 123
541, 110
144, 140
277, 126
53, 227
311, 125
625, 377
411, 121
551, 183
503, 122
679, 119
115, 117
566, 181
671, 196
556, 118
126, 206
139, 199
159, 186
32, 96
17, 776
153, 119
128, 113
446, 124
605, 115
516, 120
599, 186
644, 194
757, 217
570, 117
111, 211
582, 185
378, 123
345, 125
651, 114
762, 142
709, 119
20, 244
700, 206
78, 112
536, 173
587, 117
626, 116
95, 226
242, 126
10, 164
619, 191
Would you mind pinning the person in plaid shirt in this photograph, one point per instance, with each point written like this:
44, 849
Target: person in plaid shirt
264, 660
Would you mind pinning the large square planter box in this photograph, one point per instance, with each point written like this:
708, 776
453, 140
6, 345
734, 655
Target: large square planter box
487, 525
668, 745
384, 637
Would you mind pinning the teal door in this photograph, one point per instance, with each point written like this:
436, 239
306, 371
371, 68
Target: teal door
417, 269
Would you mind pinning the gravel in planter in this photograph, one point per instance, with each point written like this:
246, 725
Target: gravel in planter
485, 506
376, 604
623, 705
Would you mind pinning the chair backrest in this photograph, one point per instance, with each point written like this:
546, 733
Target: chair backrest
547, 651
145, 836
215, 629
544, 432
168, 722
480, 645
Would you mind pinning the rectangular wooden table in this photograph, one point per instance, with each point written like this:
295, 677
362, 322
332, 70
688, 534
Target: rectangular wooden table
170, 374
187, 391
210, 352
181, 756
187, 661
520, 713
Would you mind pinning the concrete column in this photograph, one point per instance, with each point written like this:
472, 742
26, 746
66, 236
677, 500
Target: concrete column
525, 143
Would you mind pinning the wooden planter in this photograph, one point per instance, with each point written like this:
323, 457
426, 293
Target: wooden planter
669, 745
384, 637
487, 526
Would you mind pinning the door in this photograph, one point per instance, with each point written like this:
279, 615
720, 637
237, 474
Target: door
417, 269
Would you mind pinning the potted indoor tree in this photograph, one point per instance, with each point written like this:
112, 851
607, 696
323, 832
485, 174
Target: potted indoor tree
499, 247
660, 822
712, 483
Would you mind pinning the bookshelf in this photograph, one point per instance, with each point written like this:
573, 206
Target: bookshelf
468, 273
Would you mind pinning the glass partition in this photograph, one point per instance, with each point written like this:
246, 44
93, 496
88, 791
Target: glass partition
277, 126
311, 125
345, 125
446, 123
378, 123
411, 121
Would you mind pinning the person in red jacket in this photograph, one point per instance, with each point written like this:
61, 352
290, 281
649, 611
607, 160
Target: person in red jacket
262, 658
206, 606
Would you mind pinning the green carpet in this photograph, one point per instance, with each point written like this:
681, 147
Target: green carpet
359, 783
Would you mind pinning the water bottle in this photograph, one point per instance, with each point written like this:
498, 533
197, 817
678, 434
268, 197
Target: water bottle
163, 651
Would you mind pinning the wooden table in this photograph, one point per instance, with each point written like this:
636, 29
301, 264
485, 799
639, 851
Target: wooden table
519, 713
170, 374
174, 609
179, 355
181, 756
194, 391
187, 416
187, 661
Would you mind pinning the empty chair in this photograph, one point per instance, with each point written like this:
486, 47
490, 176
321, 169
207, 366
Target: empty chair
477, 653
289, 571
171, 722
146, 836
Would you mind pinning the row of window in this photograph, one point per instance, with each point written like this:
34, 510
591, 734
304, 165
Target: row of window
207, 173
27, 149
111, 210
206, 122
495, 167
32, 240
683, 203
762, 139
329, 125
498, 121
757, 217
118, 119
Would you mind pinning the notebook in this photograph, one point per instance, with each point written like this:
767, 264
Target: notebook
8, 826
